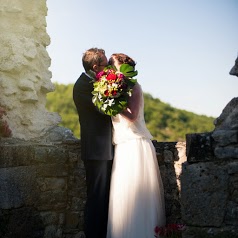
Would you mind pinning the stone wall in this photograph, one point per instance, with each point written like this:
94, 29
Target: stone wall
171, 156
24, 62
209, 194
42, 187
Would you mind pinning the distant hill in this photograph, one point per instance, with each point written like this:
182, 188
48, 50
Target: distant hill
165, 122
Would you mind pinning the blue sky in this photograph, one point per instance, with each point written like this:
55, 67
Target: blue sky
184, 49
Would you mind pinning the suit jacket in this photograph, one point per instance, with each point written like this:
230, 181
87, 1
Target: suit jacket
95, 127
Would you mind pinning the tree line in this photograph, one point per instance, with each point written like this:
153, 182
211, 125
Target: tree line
165, 122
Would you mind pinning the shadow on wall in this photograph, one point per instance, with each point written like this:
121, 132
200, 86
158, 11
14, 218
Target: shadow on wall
170, 156
18, 193
24, 221
5, 131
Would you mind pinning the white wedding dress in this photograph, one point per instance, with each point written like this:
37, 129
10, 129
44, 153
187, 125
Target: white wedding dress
136, 203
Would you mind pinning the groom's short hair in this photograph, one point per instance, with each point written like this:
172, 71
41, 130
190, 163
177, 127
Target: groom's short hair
91, 57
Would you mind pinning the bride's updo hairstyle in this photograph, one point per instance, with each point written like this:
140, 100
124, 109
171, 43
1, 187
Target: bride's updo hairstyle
122, 59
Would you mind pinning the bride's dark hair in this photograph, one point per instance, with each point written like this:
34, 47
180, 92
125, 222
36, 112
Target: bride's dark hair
122, 59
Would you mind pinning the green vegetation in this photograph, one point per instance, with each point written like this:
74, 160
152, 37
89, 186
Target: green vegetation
61, 101
165, 123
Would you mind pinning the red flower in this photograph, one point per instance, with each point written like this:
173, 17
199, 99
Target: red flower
170, 230
172, 226
161, 231
106, 93
157, 229
114, 93
111, 77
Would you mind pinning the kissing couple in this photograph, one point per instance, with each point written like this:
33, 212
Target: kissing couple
125, 197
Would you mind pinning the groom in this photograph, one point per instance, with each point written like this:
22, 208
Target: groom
96, 145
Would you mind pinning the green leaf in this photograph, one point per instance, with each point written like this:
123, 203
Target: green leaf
128, 70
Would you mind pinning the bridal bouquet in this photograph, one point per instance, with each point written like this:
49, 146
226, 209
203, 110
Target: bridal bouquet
112, 88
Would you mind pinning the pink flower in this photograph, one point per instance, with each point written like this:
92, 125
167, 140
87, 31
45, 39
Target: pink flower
120, 76
170, 230
100, 74
181, 227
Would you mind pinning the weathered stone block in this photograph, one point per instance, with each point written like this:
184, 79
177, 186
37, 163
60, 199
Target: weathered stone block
231, 217
57, 155
72, 220
199, 147
7, 156
23, 155
24, 222
49, 217
40, 154
233, 188
18, 187
52, 200
53, 231
204, 194
227, 152
210, 232
52, 170
233, 167
225, 137
16, 155
46, 184
228, 118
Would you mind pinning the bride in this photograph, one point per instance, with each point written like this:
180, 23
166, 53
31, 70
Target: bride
136, 203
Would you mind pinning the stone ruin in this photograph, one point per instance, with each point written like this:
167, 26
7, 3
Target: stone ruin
24, 74
42, 179
209, 178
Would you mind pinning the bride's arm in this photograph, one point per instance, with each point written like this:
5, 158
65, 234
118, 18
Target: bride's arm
133, 107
